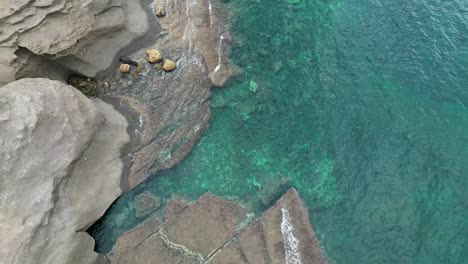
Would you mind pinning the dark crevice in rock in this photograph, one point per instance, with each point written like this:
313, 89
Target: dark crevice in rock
218, 249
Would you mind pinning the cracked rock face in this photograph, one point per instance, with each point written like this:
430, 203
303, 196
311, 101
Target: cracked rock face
81, 35
216, 231
60, 169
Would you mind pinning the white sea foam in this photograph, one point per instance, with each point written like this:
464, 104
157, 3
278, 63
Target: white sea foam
291, 243
220, 54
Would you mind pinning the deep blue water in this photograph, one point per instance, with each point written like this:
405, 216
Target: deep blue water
361, 106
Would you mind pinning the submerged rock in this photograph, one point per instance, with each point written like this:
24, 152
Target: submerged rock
253, 86
245, 108
218, 102
213, 230
146, 203
60, 170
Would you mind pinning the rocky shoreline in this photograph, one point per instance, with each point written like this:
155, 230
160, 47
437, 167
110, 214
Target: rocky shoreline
213, 230
173, 107
65, 158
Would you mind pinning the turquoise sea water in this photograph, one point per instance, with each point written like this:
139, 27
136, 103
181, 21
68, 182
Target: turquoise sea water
361, 106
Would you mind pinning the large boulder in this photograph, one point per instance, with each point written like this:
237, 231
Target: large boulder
60, 169
82, 36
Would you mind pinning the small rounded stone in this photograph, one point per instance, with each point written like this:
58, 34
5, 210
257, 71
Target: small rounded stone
154, 56
124, 68
168, 65
160, 11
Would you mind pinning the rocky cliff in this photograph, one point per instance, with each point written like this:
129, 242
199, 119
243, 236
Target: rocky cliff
60, 169
50, 38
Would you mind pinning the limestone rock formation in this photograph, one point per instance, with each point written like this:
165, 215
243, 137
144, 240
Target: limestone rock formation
214, 231
60, 169
82, 36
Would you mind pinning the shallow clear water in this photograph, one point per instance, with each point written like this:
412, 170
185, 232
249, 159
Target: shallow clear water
361, 106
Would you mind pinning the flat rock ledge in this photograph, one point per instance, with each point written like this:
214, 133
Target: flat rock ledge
217, 231
60, 169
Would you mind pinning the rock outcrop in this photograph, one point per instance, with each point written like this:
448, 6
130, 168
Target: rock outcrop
173, 107
216, 231
60, 169
80, 36
203, 25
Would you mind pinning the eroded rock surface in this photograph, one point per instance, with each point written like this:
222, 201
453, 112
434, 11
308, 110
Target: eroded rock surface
84, 36
60, 169
204, 26
213, 230
173, 106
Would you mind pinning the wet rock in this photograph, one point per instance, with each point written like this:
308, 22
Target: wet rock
237, 124
217, 102
212, 231
207, 33
146, 203
139, 69
206, 212
127, 60
154, 56
277, 66
288, 222
244, 108
60, 170
178, 239
253, 86
168, 65
262, 53
264, 95
105, 86
271, 189
175, 107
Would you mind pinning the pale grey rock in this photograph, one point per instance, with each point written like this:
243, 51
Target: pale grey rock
83, 36
60, 169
